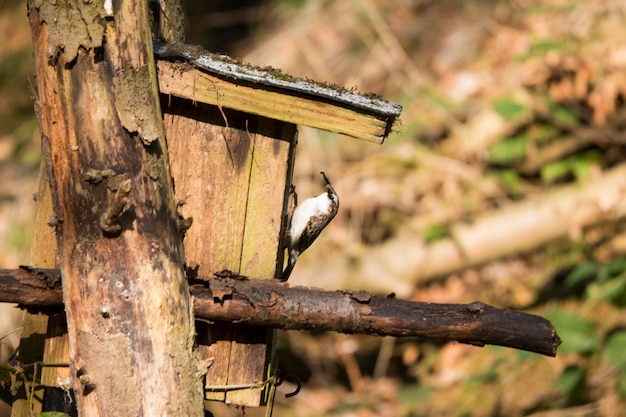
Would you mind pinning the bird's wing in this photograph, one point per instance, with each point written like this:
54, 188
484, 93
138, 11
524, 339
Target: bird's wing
312, 230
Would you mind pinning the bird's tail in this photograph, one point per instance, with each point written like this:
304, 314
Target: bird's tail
287, 272
293, 257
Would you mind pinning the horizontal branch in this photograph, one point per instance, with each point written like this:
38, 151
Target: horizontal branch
269, 303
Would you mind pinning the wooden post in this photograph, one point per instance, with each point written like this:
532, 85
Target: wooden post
127, 302
167, 24
231, 170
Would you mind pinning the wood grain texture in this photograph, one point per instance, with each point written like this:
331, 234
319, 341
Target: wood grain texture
43, 253
184, 81
230, 170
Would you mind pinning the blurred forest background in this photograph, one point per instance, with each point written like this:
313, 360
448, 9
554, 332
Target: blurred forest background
506, 184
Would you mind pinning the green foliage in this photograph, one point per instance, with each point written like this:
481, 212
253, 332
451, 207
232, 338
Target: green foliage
554, 170
614, 354
412, 395
615, 349
542, 132
436, 232
601, 283
293, 4
613, 290
578, 334
621, 384
561, 116
509, 179
572, 380
608, 283
577, 165
581, 275
509, 151
541, 46
508, 108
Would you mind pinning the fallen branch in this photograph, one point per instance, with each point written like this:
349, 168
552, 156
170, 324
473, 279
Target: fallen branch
269, 303
530, 224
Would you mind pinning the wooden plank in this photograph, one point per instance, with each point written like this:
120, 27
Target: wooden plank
44, 255
237, 70
33, 346
210, 165
259, 255
241, 73
56, 351
183, 80
230, 170
269, 170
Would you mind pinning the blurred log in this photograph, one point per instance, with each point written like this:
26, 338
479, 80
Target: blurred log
272, 304
528, 225
517, 228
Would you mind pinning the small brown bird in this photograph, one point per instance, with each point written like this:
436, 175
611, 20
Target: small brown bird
307, 222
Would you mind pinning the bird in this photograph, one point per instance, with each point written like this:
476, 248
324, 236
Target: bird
307, 222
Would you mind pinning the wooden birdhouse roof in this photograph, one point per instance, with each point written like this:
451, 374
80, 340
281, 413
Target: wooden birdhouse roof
193, 73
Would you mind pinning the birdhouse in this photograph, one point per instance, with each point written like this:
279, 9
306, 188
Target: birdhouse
231, 133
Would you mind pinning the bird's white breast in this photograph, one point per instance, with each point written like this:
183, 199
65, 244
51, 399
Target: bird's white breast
304, 211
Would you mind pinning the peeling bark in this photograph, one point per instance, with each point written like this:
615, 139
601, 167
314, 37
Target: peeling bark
130, 327
273, 304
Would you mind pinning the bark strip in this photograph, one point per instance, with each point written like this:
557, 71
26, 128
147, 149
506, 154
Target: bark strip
273, 304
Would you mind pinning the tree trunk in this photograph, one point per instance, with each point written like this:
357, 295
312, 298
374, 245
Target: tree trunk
129, 319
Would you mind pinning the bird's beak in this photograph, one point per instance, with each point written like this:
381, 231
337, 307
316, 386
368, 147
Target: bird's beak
325, 178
